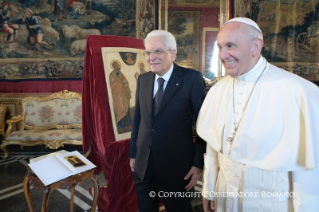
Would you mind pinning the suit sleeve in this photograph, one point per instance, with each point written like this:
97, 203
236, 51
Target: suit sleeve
198, 96
136, 122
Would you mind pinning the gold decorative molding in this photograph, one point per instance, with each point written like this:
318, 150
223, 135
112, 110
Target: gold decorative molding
52, 144
14, 119
3, 112
211, 82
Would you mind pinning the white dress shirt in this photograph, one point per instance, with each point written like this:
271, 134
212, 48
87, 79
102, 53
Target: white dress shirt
166, 77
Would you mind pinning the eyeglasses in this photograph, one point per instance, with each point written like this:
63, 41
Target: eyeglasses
156, 52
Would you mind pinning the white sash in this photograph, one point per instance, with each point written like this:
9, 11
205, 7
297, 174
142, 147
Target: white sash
250, 189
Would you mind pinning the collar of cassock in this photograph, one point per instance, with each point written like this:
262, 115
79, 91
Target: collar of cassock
253, 74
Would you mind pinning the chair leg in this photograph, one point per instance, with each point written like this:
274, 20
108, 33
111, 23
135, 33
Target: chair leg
5, 150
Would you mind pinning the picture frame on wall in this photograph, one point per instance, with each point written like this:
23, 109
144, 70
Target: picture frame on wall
210, 53
209, 13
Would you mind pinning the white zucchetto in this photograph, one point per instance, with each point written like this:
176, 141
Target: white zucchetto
245, 21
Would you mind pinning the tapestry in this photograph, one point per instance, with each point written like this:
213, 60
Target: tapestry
46, 39
145, 17
194, 3
122, 67
290, 31
184, 25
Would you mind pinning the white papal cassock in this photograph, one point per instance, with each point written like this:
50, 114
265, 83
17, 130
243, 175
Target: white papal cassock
272, 164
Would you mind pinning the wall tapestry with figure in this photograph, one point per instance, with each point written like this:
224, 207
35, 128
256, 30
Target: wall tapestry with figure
291, 33
184, 25
122, 67
46, 39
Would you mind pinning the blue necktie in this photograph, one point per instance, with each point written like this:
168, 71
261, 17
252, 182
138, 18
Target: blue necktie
159, 94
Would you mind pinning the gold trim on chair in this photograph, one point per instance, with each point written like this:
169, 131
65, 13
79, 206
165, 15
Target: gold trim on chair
3, 111
31, 134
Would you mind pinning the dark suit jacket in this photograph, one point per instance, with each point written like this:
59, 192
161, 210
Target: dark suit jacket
169, 133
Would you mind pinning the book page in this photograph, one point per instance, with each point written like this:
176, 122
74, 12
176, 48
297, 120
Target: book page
48, 155
50, 170
76, 162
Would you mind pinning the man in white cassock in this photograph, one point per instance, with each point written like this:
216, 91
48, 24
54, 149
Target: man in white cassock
261, 125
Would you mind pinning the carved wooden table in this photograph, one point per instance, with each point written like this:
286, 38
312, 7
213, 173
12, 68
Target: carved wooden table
32, 180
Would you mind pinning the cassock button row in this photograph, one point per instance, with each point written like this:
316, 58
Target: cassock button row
239, 103
241, 93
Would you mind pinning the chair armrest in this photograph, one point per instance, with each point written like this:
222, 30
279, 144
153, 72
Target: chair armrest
13, 119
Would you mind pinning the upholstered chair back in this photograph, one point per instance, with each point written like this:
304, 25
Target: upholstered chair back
53, 111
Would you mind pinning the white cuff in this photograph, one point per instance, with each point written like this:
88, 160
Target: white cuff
210, 175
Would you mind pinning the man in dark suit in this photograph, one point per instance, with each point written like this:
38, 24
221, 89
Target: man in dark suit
166, 161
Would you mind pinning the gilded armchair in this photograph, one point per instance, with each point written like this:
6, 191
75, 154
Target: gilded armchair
53, 121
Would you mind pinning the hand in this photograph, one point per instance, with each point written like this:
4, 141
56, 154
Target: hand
132, 164
195, 174
209, 205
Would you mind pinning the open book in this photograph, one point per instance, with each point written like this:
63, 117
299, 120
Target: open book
56, 167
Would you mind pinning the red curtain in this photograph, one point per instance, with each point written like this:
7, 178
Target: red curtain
109, 156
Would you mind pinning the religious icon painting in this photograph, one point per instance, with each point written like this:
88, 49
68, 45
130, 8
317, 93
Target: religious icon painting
75, 161
122, 67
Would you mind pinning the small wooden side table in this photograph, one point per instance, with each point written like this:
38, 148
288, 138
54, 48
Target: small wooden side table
32, 180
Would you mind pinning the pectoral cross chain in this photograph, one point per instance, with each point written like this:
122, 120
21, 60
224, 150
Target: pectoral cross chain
231, 138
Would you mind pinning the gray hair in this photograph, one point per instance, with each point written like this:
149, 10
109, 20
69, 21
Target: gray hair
168, 38
253, 32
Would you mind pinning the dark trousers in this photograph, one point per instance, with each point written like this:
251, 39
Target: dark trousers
149, 192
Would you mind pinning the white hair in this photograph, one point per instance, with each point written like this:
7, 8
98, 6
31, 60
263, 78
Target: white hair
168, 38
253, 32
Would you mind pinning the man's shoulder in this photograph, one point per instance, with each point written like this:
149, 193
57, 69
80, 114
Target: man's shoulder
286, 77
186, 70
176, 66
146, 75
